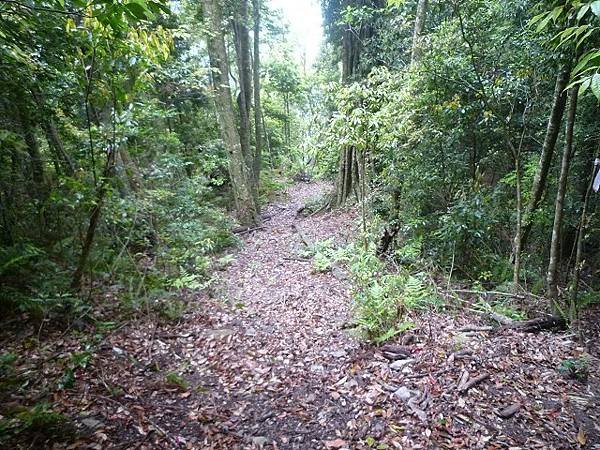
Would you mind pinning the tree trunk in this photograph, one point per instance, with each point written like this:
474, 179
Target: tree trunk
94, 220
242, 49
28, 133
348, 176
552, 289
539, 181
583, 223
416, 50
246, 207
132, 173
257, 105
52, 134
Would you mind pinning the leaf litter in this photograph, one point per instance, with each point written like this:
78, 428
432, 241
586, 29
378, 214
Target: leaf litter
263, 360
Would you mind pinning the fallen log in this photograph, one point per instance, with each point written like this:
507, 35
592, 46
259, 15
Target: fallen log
531, 325
243, 230
541, 323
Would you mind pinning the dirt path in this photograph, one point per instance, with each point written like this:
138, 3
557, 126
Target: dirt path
276, 356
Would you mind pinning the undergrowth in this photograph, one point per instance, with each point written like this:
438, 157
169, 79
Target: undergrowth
381, 295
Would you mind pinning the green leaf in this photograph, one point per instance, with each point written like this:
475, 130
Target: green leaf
596, 7
543, 23
537, 18
595, 85
585, 84
583, 11
137, 10
585, 60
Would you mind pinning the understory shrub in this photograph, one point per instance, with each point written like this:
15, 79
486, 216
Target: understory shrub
381, 296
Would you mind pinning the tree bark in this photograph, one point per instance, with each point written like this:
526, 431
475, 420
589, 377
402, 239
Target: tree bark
246, 207
52, 134
416, 50
55, 142
242, 49
257, 104
348, 176
539, 181
552, 288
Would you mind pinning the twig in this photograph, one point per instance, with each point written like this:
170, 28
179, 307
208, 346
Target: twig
296, 258
498, 293
472, 382
468, 328
245, 230
151, 345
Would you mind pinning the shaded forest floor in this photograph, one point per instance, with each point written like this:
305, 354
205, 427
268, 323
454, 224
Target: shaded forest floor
262, 360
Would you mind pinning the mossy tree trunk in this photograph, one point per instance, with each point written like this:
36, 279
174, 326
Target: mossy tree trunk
240, 173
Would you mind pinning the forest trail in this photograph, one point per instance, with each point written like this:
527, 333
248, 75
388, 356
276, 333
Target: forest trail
277, 352
261, 358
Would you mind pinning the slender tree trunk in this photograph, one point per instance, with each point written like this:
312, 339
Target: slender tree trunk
132, 173
286, 125
552, 131
348, 176
242, 49
52, 134
28, 132
257, 104
416, 50
267, 140
94, 219
519, 224
583, 222
551, 276
245, 202
55, 142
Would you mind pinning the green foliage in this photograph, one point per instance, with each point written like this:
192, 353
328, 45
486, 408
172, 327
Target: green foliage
503, 308
577, 24
76, 360
168, 306
326, 255
418, 294
271, 185
8, 376
380, 298
176, 380
39, 423
314, 204
577, 369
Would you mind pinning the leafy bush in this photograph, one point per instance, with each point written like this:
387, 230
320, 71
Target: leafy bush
376, 295
326, 255
37, 424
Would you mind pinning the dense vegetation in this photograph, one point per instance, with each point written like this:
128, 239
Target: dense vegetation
466, 132
469, 131
113, 167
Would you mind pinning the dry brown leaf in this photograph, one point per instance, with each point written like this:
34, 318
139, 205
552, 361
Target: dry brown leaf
336, 443
581, 437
